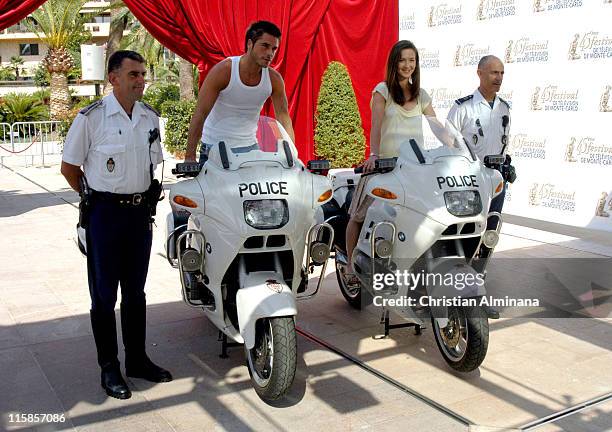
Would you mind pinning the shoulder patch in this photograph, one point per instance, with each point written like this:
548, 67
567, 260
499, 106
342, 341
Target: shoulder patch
151, 108
504, 102
464, 99
89, 108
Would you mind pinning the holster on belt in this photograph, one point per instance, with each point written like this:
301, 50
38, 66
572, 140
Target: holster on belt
154, 195
84, 203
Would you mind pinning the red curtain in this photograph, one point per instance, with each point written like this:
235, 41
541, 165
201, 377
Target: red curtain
13, 11
358, 33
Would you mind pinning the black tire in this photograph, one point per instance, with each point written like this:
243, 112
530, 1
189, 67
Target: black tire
272, 372
474, 328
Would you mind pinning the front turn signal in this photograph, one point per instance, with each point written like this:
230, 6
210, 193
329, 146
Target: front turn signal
325, 195
499, 188
184, 201
383, 193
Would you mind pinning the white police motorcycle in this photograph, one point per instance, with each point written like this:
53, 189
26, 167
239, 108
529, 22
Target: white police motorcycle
424, 243
243, 237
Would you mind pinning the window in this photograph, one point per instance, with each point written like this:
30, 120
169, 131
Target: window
101, 19
28, 49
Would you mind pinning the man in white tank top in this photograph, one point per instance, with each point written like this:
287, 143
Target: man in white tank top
238, 87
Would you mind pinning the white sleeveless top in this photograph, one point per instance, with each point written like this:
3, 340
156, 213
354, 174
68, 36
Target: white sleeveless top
234, 116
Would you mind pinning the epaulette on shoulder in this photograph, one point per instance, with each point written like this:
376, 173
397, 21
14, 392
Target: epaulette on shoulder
89, 108
504, 102
151, 108
464, 99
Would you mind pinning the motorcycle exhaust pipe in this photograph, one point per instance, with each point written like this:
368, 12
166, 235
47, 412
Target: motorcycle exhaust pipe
319, 252
191, 260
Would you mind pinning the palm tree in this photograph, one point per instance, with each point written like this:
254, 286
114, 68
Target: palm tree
142, 41
57, 23
185, 79
15, 64
121, 17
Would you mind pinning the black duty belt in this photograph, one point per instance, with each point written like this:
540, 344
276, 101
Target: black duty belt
136, 199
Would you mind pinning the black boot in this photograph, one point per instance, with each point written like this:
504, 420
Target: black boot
105, 335
113, 383
133, 328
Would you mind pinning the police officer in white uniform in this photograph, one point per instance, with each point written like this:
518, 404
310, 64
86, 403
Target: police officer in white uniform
483, 118
116, 142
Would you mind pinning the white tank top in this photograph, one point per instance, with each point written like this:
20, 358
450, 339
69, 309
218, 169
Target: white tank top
234, 116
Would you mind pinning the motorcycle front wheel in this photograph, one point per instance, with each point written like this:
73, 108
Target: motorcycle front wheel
465, 340
272, 361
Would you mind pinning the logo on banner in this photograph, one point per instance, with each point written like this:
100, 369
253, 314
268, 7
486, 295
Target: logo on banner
569, 150
604, 101
489, 9
553, 98
429, 59
551, 196
508, 197
444, 98
549, 5
525, 50
506, 95
590, 46
443, 14
526, 147
469, 54
586, 150
407, 22
603, 204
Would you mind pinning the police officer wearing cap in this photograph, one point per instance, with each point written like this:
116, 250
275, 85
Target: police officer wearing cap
115, 141
483, 118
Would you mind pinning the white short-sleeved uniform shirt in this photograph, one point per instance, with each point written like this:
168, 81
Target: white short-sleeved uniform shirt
485, 139
400, 124
112, 148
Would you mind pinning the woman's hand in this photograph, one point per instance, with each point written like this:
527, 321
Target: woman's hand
368, 165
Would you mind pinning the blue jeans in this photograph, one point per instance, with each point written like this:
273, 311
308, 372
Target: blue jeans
204, 149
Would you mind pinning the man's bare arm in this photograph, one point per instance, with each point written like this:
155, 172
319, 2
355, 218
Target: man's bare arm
216, 80
72, 174
279, 100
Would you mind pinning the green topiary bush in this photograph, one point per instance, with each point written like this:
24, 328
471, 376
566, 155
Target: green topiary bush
178, 116
158, 93
339, 135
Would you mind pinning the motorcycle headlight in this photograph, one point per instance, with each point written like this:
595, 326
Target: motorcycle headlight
266, 214
463, 203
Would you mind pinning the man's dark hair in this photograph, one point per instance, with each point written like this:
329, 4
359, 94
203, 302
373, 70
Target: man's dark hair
257, 29
115, 60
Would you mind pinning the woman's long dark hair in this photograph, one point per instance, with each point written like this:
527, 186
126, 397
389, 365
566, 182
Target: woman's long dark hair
392, 79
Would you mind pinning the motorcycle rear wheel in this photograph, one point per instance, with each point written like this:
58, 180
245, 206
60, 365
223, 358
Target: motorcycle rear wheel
272, 361
464, 341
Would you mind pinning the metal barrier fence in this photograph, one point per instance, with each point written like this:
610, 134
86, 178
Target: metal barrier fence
30, 139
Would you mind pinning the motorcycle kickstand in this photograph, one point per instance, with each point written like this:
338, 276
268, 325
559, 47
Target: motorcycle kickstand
384, 319
225, 344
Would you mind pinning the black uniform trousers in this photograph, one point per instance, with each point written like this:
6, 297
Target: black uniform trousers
118, 250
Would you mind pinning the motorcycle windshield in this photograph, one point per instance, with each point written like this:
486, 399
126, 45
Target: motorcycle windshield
441, 140
271, 142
